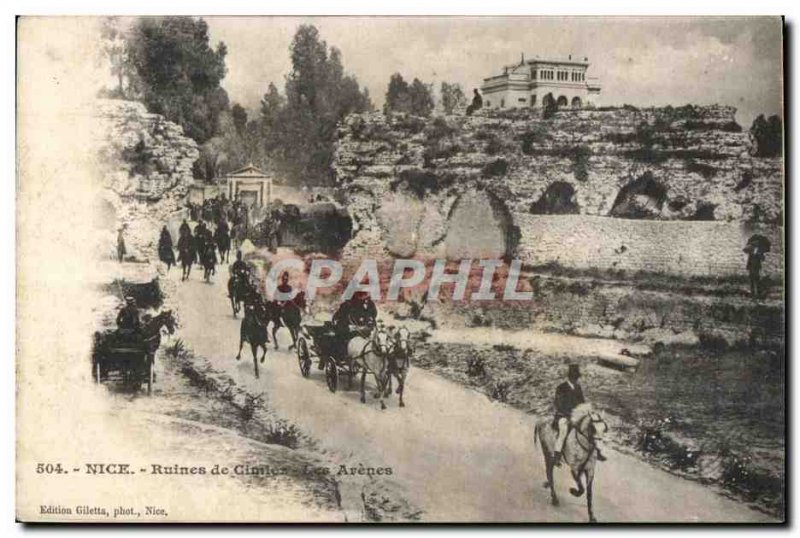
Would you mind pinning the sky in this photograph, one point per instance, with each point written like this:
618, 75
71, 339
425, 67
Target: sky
651, 61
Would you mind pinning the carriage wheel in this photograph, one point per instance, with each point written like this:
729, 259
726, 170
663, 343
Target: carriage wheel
331, 374
303, 358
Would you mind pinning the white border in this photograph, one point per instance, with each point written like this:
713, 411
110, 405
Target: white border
305, 7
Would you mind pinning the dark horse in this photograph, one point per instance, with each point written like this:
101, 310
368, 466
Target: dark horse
287, 314
254, 331
580, 450
223, 240
186, 255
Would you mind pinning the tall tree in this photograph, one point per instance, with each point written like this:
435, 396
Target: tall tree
318, 95
398, 95
767, 135
453, 97
117, 51
415, 99
239, 117
421, 98
179, 72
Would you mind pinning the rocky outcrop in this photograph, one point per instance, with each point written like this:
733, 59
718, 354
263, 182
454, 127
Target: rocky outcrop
147, 169
406, 178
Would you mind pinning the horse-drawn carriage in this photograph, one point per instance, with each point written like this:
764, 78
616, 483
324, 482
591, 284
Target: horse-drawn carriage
368, 350
130, 357
319, 340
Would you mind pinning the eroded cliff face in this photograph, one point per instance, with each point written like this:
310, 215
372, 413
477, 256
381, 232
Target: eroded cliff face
146, 164
427, 188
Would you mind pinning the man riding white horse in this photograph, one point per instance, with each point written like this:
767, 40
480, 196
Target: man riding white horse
569, 395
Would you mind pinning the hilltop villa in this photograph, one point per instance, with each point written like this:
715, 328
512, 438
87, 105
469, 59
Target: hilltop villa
534, 82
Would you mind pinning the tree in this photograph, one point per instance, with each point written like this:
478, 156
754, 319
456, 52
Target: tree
768, 136
301, 127
421, 98
239, 117
116, 50
179, 73
453, 98
415, 99
398, 95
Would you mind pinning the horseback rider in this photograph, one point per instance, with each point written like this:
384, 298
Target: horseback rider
200, 240
165, 252
184, 229
569, 395
209, 260
239, 268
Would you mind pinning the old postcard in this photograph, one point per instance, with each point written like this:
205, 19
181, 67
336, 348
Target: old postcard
400, 269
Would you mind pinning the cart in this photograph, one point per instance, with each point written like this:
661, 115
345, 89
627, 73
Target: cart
131, 363
318, 340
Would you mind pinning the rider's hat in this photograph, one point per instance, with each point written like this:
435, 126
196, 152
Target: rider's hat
574, 371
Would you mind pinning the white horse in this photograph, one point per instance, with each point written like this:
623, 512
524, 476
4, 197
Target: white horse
371, 355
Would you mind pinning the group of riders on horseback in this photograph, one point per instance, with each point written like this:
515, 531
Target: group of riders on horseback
198, 247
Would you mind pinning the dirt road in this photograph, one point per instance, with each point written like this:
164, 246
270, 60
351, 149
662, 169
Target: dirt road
461, 456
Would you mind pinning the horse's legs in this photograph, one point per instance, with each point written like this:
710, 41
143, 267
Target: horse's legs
401, 382
388, 387
578, 482
548, 465
380, 390
254, 351
589, 480
264, 354
293, 332
241, 343
363, 382
275, 327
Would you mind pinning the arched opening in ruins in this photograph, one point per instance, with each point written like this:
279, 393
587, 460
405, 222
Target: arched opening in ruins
548, 101
576, 102
642, 198
557, 199
562, 101
480, 226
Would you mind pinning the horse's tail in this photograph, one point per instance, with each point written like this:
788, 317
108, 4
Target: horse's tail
536, 434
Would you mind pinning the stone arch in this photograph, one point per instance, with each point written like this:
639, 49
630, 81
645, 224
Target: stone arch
548, 101
480, 225
557, 199
561, 102
576, 102
642, 198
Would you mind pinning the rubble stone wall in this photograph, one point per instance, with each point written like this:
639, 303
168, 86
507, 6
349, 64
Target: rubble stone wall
660, 165
147, 169
689, 248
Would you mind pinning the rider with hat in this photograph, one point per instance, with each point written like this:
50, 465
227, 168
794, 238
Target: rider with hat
569, 395
128, 321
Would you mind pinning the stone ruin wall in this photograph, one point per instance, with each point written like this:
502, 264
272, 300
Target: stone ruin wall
427, 188
146, 169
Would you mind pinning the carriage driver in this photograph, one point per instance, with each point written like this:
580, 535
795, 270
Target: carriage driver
128, 318
284, 286
569, 395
